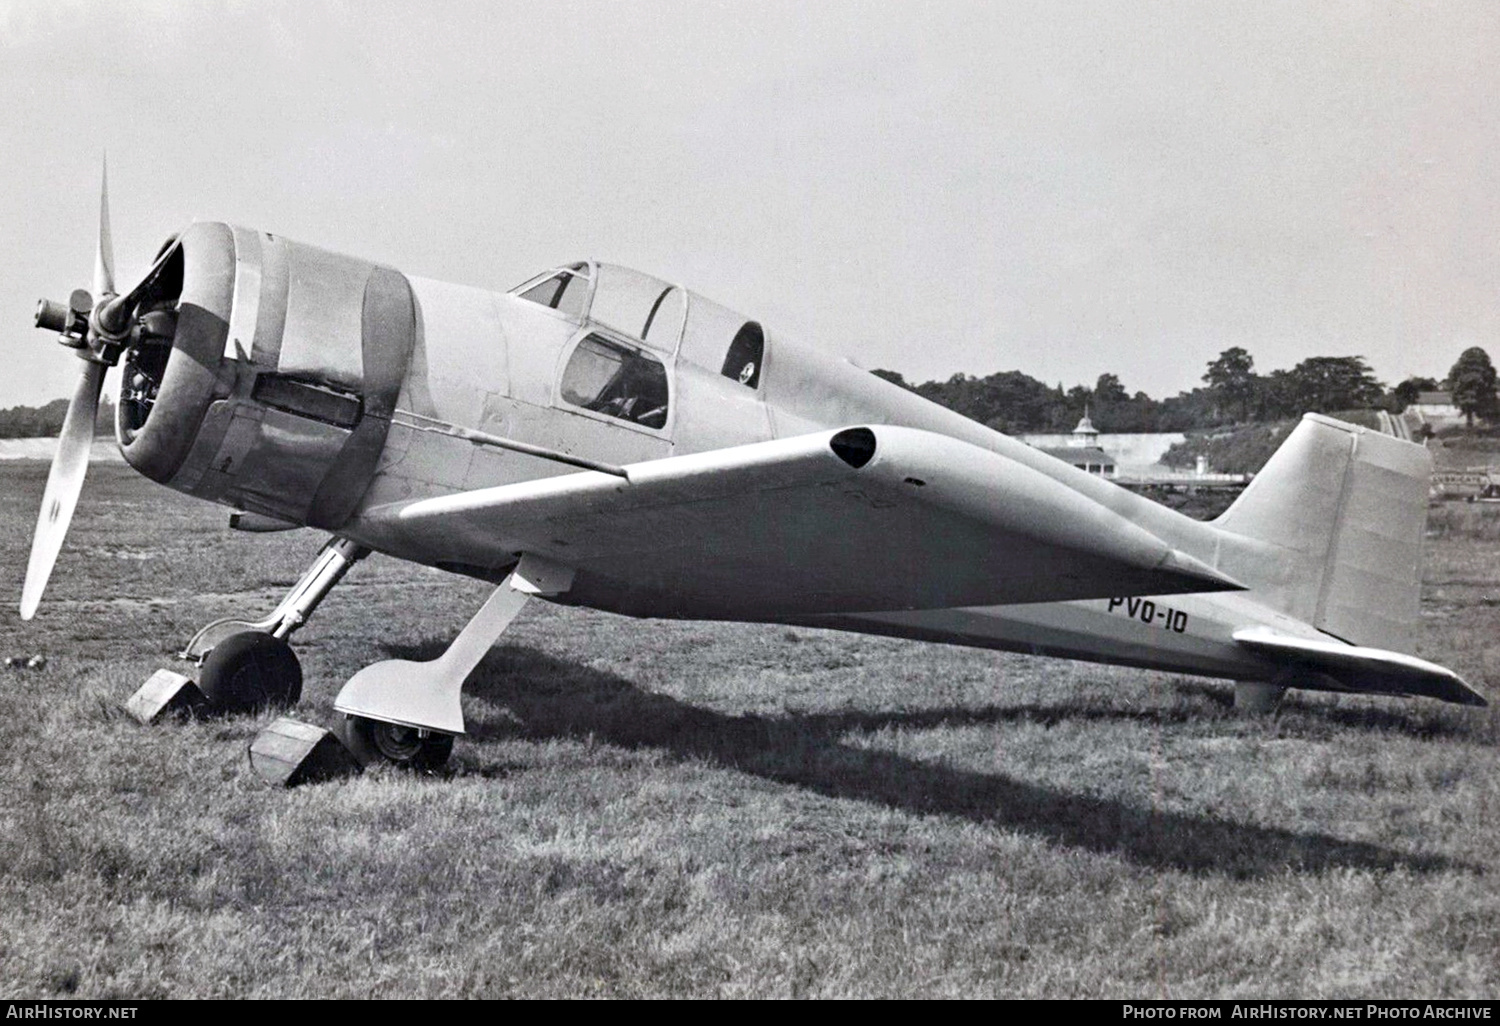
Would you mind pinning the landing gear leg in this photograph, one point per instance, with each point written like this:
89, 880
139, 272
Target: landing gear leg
1256, 697
249, 665
328, 569
407, 712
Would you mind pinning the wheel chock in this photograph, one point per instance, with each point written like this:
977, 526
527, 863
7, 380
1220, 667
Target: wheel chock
165, 692
290, 752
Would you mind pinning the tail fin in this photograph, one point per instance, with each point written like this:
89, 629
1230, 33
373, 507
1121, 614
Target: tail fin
1342, 510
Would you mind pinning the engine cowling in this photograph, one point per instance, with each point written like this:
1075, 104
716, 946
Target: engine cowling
263, 373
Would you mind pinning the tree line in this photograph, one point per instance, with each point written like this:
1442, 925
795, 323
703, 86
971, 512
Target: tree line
1232, 393
46, 421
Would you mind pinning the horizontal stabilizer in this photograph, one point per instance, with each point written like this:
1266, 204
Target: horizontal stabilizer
1365, 670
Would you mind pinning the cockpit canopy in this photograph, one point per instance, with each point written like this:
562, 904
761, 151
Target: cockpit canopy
663, 316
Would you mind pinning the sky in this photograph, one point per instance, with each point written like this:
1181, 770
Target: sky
1061, 188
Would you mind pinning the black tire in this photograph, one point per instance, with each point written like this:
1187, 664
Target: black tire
250, 671
374, 741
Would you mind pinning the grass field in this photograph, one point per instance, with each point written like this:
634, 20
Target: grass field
680, 809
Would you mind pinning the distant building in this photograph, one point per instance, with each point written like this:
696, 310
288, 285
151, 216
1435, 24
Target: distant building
1085, 433
1090, 458
1083, 449
1436, 404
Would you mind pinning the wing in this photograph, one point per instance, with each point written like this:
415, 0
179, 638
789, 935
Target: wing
867, 518
1368, 670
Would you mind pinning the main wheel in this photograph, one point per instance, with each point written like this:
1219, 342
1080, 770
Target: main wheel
375, 741
250, 670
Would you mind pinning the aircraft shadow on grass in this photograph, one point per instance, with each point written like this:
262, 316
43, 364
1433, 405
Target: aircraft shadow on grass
548, 698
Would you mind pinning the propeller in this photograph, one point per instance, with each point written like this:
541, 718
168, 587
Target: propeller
104, 252
64, 482
95, 327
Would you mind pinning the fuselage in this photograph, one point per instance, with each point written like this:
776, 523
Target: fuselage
727, 473
510, 365
313, 389
307, 388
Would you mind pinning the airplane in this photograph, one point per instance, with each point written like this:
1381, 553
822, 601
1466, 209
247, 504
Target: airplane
600, 437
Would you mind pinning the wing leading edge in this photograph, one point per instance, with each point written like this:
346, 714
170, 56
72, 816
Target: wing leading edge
866, 518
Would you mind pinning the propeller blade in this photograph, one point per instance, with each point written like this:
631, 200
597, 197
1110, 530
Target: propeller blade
104, 253
64, 482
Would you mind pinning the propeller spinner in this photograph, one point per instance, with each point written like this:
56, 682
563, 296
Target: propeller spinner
96, 326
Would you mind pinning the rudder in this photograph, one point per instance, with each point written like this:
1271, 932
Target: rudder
1341, 510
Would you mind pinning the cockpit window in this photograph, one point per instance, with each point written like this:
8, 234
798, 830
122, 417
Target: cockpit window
566, 291
742, 362
609, 378
723, 342
630, 302
663, 327
639, 305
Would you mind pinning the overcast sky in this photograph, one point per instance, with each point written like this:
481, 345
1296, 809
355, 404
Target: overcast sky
1060, 188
